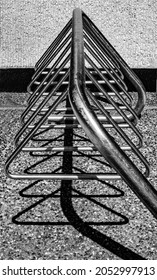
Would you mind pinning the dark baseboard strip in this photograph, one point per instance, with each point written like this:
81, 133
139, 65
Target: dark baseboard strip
148, 77
17, 79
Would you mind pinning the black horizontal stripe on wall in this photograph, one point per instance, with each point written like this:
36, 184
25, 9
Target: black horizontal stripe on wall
17, 79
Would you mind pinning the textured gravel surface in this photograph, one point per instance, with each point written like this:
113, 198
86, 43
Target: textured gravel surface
139, 234
15, 99
29, 27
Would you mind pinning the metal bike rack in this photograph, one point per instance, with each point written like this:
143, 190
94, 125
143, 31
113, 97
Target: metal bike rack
80, 83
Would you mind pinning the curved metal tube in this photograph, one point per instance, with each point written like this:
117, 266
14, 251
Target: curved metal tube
55, 43
55, 53
35, 98
103, 44
27, 138
94, 129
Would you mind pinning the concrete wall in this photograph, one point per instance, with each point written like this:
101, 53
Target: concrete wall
29, 26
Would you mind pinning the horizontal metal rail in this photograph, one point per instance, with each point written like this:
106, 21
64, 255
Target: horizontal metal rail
95, 93
61, 118
68, 148
64, 126
62, 176
66, 83
109, 107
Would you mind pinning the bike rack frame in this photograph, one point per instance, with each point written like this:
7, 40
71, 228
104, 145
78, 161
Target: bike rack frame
81, 44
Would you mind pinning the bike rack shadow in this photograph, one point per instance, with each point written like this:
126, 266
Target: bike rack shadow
66, 193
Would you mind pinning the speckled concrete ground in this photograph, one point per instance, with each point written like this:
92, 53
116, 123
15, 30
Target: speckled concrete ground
64, 242
29, 27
